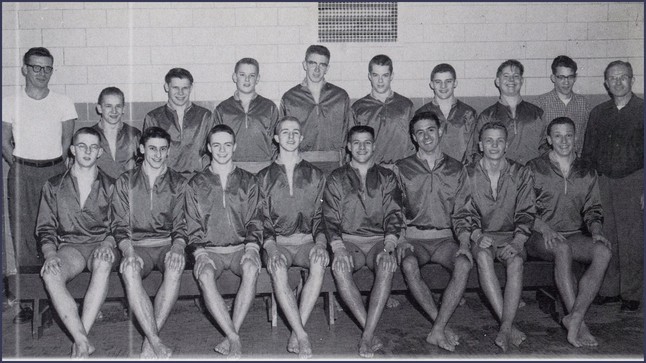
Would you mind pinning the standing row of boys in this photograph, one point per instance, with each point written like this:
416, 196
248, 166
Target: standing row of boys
389, 206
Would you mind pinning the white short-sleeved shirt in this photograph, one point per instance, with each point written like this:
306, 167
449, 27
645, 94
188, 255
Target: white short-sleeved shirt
37, 124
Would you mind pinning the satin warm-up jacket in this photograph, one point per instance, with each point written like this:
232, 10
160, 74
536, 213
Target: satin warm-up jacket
513, 209
324, 124
141, 212
254, 129
61, 219
390, 121
566, 203
285, 214
218, 216
352, 208
187, 152
431, 196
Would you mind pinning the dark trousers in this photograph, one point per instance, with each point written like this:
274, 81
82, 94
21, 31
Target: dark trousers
624, 226
24, 184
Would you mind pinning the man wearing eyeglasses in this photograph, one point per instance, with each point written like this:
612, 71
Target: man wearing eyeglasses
74, 232
458, 119
563, 102
614, 144
523, 120
37, 128
322, 108
119, 140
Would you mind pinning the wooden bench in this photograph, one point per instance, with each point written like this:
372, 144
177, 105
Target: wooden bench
537, 274
33, 289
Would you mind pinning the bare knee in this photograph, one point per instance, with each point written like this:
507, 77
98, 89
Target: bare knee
130, 273
207, 275
483, 258
317, 271
462, 264
249, 268
101, 266
602, 253
172, 274
562, 251
410, 266
515, 264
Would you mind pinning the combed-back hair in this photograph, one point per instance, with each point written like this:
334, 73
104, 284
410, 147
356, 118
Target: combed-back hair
443, 67
560, 121
180, 73
317, 49
37, 52
494, 125
423, 116
154, 133
618, 63
358, 129
510, 63
381, 60
86, 131
111, 91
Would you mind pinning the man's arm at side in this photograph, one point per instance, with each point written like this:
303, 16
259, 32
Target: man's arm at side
7, 142
68, 132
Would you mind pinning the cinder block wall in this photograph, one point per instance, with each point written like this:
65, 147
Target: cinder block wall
132, 45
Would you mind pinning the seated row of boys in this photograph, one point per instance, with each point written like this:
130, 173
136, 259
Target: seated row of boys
367, 214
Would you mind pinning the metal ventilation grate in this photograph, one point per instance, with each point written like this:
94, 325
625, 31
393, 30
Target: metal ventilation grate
357, 22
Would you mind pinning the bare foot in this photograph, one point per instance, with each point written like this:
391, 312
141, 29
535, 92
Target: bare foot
392, 302
234, 349
365, 349
162, 351
517, 336
224, 347
377, 344
82, 350
292, 344
304, 348
147, 350
573, 327
451, 336
522, 304
439, 339
585, 337
502, 339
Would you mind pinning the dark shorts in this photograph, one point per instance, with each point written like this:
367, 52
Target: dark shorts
87, 250
500, 240
535, 245
441, 250
296, 255
364, 254
227, 261
153, 257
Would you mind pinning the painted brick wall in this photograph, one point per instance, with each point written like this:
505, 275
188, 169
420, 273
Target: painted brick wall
132, 45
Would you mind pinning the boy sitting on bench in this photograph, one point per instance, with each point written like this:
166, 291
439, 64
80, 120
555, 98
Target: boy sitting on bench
363, 220
74, 232
150, 230
225, 230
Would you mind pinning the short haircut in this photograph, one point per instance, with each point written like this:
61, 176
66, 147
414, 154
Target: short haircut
560, 121
220, 128
618, 63
317, 49
251, 61
86, 131
510, 63
154, 133
443, 67
423, 116
180, 73
563, 61
358, 129
111, 91
283, 119
494, 125
381, 60
37, 52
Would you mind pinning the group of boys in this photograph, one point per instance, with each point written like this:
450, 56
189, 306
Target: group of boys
437, 185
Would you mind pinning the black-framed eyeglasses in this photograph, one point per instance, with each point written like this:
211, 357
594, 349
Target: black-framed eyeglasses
37, 68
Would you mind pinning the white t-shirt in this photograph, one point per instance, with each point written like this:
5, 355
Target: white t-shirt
37, 124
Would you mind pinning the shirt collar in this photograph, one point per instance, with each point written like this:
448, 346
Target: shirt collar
388, 99
188, 107
304, 83
434, 102
236, 96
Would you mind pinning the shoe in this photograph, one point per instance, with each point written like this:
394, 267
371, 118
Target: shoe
24, 316
602, 300
629, 305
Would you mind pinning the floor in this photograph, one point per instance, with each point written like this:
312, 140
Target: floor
402, 329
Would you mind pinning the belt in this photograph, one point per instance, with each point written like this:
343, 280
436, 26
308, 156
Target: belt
38, 163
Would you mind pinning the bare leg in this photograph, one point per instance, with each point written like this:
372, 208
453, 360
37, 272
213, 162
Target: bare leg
491, 288
352, 297
513, 290
287, 302
165, 298
378, 297
599, 255
143, 309
216, 306
72, 263
309, 294
440, 335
